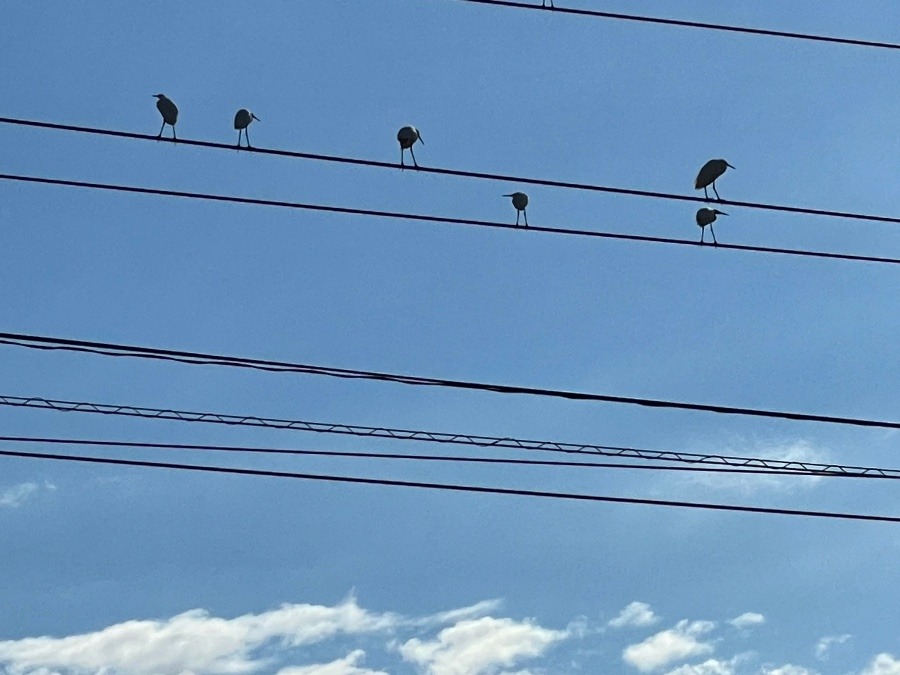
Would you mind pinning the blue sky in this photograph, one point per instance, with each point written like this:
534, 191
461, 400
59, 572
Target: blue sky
268, 576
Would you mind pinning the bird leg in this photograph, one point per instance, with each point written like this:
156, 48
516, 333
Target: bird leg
161, 129
702, 234
411, 152
524, 212
239, 138
402, 165
705, 193
715, 243
517, 218
247, 136
174, 137
716, 191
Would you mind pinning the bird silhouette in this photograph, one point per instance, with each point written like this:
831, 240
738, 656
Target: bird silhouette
242, 120
169, 112
706, 216
708, 175
407, 137
519, 201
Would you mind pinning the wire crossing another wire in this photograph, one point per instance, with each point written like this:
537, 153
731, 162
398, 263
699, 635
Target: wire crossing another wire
653, 457
451, 487
397, 215
459, 173
46, 343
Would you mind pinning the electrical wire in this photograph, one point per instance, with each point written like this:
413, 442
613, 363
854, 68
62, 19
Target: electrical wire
692, 24
454, 487
644, 454
453, 459
443, 219
453, 172
45, 343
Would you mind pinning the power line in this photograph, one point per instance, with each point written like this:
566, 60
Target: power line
441, 219
694, 24
775, 465
46, 343
454, 459
454, 487
453, 172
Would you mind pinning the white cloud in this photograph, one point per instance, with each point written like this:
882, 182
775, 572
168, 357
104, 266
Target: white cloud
192, 642
472, 611
747, 619
13, 497
674, 644
475, 646
787, 669
824, 645
636, 614
795, 451
883, 664
710, 667
349, 665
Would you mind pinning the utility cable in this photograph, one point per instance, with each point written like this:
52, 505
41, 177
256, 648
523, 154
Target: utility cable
454, 487
453, 459
46, 343
453, 172
691, 24
444, 220
776, 465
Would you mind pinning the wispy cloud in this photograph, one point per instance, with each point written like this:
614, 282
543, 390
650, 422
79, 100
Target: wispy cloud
476, 646
349, 665
791, 451
637, 614
674, 644
824, 645
748, 620
13, 497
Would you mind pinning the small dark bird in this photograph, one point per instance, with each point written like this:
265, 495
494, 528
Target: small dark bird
706, 217
708, 175
407, 137
242, 120
169, 112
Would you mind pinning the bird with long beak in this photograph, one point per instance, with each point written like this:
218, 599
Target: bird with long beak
519, 201
708, 175
242, 120
407, 137
706, 217
169, 112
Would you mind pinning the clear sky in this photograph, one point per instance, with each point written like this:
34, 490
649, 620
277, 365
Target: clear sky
146, 571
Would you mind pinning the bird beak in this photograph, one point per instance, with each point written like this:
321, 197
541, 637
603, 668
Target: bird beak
421, 140
255, 117
507, 195
721, 213
728, 165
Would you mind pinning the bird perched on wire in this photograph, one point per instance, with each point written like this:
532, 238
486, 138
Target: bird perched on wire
169, 112
706, 217
519, 201
242, 120
708, 175
407, 137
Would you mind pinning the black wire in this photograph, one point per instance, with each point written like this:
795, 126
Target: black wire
198, 358
449, 438
441, 219
462, 459
449, 487
257, 450
454, 172
693, 24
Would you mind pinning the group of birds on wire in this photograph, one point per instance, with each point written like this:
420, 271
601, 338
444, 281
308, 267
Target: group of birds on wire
409, 135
